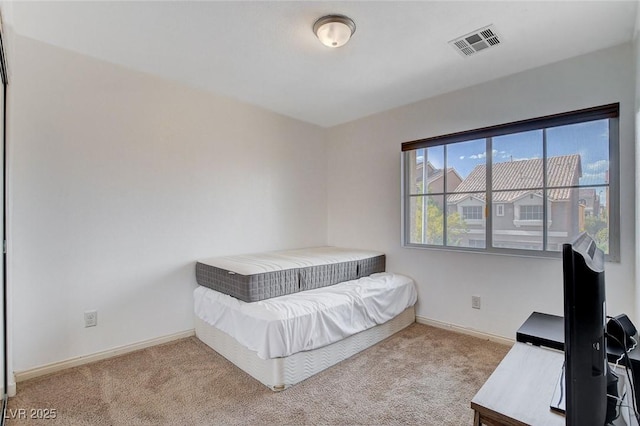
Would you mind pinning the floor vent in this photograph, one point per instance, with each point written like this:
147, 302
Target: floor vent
476, 41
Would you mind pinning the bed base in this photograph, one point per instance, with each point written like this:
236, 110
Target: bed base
280, 373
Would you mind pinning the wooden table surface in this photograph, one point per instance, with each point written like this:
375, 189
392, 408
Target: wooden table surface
519, 391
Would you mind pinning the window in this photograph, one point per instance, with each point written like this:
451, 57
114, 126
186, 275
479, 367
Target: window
531, 212
525, 187
472, 212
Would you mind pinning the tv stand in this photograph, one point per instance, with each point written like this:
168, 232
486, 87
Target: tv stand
520, 389
547, 330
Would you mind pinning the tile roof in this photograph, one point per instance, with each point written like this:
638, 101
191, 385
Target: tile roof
521, 178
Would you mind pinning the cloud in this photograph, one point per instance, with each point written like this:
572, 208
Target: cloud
479, 156
512, 158
593, 178
484, 155
597, 165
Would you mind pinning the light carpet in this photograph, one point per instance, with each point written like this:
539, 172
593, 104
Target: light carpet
421, 375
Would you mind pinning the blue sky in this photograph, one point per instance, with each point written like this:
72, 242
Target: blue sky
590, 140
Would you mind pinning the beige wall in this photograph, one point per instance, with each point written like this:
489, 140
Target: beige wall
120, 181
364, 191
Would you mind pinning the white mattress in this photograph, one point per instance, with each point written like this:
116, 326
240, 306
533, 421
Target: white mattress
282, 326
250, 264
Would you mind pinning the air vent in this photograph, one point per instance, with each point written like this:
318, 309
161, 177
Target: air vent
476, 41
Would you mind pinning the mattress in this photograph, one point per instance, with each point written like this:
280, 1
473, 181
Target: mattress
255, 277
280, 373
303, 321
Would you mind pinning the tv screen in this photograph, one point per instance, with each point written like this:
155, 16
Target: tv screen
584, 328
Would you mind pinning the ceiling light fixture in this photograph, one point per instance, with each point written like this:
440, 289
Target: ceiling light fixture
334, 30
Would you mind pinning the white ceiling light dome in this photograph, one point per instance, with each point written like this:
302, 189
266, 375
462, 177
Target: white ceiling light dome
334, 30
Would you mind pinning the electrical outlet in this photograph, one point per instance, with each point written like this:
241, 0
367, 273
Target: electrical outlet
90, 318
475, 302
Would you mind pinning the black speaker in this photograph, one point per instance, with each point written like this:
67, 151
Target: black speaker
622, 329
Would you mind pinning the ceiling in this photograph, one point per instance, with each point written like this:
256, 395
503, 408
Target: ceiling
264, 52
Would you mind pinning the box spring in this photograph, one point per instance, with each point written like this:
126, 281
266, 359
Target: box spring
280, 373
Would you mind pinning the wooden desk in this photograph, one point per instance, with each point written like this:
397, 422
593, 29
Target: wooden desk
520, 389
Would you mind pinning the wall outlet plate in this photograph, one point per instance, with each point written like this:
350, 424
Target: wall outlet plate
475, 302
90, 318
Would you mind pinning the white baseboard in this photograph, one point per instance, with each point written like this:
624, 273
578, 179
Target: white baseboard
21, 376
465, 330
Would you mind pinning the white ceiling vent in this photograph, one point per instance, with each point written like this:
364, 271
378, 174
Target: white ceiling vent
476, 41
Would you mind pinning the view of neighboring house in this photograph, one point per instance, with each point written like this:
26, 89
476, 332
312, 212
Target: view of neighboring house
517, 210
434, 178
589, 204
590, 201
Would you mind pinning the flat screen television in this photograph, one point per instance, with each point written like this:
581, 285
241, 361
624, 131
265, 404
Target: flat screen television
584, 330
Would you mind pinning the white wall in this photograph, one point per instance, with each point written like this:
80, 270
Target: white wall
119, 181
364, 191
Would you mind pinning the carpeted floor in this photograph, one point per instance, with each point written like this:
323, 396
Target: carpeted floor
422, 375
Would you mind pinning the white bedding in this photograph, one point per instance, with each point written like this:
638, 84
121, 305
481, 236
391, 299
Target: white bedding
249, 264
282, 326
